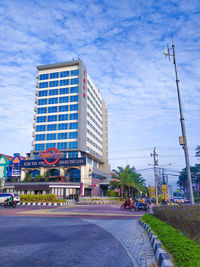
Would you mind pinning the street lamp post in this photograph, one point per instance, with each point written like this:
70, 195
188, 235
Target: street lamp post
182, 139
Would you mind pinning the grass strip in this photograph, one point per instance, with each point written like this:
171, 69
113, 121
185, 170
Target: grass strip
186, 253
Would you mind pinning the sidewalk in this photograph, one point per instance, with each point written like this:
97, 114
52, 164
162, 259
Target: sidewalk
133, 238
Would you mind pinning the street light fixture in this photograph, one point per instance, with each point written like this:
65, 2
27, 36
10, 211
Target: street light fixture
182, 139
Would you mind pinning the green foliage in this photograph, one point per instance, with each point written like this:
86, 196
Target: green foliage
112, 193
40, 198
131, 182
184, 251
184, 218
195, 175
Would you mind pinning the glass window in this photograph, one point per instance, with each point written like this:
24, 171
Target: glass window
62, 145
63, 99
74, 72
48, 145
73, 116
53, 92
74, 81
64, 91
74, 90
73, 98
40, 128
89, 160
43, 93
63, 117
39, 147
73, 125
73, 145
41, 110
73, 154
52, 118
63, 108
53, 84
73, 107
51, 127
52, 109
43, 85
51, 136
41, 119
42, 101
64, 82
44, 76
64, 74
62, 136
73, 135
54, 75
40, 137
53, 100
63, 126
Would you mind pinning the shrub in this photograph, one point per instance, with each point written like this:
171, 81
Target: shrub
112, 193
184, 251
40, 198
185, 218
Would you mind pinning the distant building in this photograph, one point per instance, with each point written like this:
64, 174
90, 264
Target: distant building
70, 137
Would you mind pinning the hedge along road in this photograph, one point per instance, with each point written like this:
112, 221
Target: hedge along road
64, 240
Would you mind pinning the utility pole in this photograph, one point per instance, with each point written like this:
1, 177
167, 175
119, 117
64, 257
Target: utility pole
155, 163
182, 139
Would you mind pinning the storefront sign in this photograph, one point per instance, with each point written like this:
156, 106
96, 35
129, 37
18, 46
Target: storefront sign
62, 162
51, 155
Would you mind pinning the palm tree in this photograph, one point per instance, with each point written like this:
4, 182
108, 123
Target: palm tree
130, 181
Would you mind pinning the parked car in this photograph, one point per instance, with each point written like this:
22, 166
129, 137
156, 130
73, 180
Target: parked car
4, 196
176, 199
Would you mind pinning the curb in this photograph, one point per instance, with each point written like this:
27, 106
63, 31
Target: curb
161, 255
44, 204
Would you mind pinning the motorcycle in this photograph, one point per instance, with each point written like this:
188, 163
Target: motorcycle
143, 206
9, 204
126, 205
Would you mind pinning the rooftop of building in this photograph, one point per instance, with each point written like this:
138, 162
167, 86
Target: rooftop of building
11, 157
59, 65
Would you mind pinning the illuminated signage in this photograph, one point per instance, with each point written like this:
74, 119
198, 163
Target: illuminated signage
51, 155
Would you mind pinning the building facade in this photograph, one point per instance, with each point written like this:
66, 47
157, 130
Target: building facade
70, 129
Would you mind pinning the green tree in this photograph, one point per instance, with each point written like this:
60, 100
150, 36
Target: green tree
197, 154
182, 180
130, 182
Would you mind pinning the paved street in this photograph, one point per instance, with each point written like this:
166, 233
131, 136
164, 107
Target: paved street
97, 235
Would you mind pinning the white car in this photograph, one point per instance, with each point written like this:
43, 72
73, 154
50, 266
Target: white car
4, 196
176, 199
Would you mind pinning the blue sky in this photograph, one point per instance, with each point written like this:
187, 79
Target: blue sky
122, 45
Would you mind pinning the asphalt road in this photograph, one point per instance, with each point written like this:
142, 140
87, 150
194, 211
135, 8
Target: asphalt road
77, 235
33, 241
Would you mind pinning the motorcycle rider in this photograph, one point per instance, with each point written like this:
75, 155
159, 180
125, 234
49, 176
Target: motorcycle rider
10, 199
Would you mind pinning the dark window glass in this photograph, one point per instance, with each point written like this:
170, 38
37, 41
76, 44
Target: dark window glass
44, 76
53, 100
51, 127
74, 98
43, 85
62, 136
63, 108
41, 119
74, 90
73, 116
74, 72
54, 75
64, 74
52, 109
42, 101
64, 91
63, 117
53, 84
43, 93
62, 126
75, 81
53, 92
64, 82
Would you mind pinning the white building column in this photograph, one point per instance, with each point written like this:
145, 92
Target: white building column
23, 175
